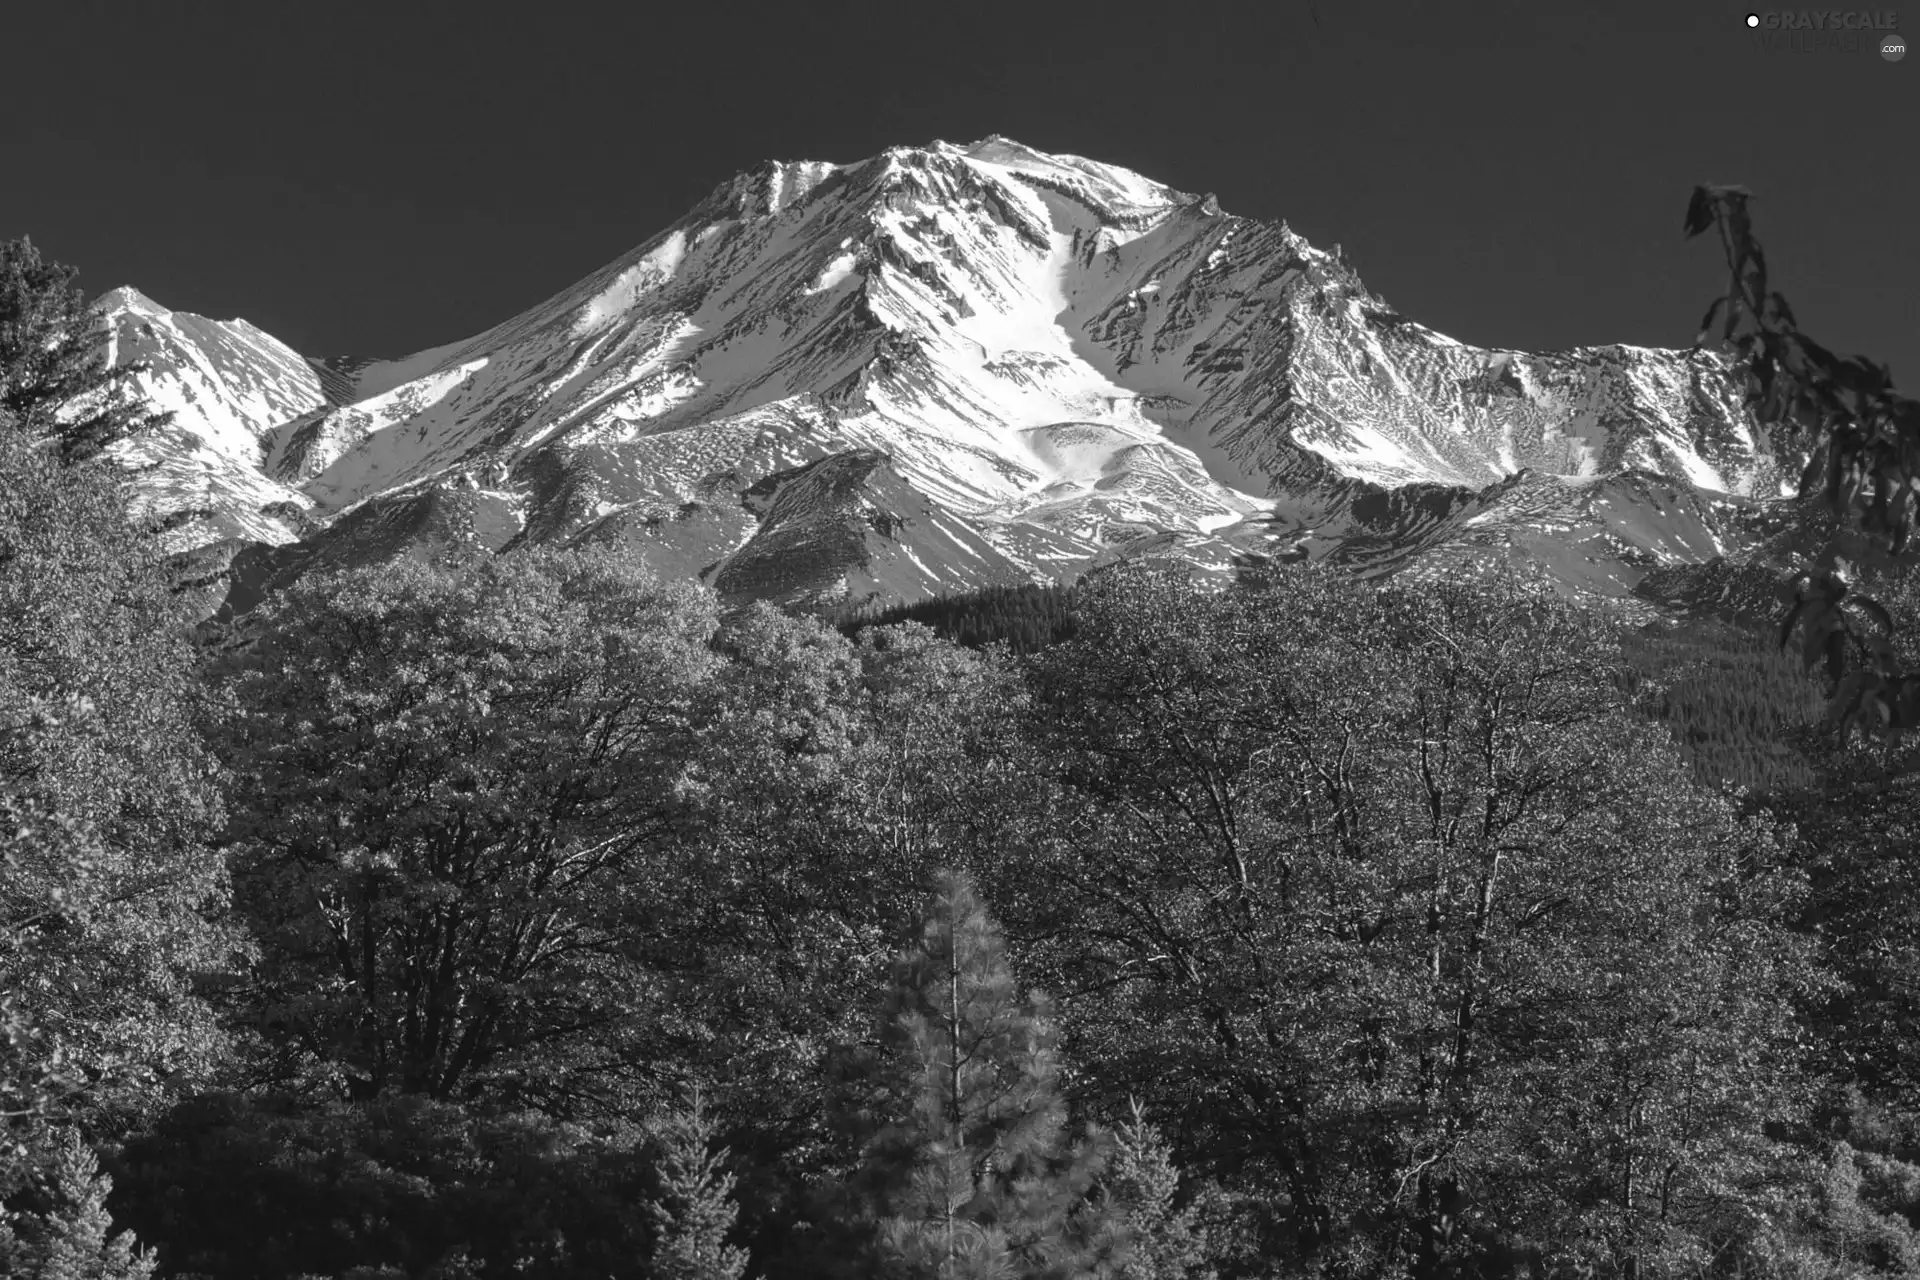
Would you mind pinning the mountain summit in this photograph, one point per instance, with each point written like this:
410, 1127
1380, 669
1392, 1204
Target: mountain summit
949, 366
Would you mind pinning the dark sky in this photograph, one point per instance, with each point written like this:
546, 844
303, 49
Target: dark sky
379, 178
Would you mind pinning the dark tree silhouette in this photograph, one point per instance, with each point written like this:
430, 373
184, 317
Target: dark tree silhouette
54, 376
1861, 441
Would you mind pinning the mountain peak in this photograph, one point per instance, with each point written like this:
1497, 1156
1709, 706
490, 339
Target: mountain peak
1063, 361
127, 300
1106, 183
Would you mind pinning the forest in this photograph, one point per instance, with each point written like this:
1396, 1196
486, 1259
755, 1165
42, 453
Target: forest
532, 916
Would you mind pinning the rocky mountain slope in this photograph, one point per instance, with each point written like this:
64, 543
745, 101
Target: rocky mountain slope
945, 367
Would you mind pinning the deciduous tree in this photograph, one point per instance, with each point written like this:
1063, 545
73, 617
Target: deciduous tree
454, 792
107, 801
1388, 901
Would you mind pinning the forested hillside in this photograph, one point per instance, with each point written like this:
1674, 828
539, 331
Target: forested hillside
530, 916
1027, 618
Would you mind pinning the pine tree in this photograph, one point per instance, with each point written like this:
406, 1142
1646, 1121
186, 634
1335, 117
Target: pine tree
694, 1210
54, 378
67, 1233
1141, 1181
967, 1169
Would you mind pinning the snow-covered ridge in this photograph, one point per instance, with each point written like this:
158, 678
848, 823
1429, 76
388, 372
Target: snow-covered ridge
225, 380
227, 384
1064, 357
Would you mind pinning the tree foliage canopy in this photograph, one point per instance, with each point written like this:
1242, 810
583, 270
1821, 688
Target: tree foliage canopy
449, 785
107, 802
1389, 901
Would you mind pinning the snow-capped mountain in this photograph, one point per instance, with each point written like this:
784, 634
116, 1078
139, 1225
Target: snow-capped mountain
950, 366
227, 384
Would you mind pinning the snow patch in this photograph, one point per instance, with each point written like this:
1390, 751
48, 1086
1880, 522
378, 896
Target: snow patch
654, 269
833, 273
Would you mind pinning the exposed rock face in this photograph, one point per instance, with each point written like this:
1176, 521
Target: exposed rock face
948, 366
848, 527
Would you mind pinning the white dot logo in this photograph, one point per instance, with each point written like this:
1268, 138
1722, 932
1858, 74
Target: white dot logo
1753, 19
1893, 48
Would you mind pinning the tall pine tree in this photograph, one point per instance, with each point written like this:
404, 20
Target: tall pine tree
967, 1168
55, 381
